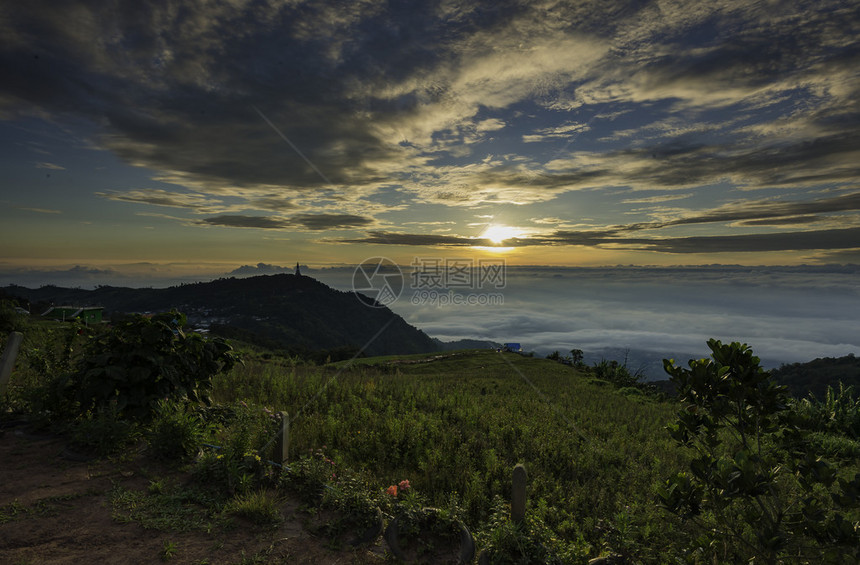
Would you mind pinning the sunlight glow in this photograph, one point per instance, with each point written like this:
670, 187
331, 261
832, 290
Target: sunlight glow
498, 234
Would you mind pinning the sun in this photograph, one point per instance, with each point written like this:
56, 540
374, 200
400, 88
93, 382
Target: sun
498, 234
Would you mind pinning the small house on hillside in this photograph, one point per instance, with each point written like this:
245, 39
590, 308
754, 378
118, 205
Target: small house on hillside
512, 347
87, 314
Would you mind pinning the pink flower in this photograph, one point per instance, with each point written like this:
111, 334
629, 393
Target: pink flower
392, 490
404, 484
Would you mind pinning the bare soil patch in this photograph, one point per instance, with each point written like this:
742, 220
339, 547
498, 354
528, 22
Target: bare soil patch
56, 509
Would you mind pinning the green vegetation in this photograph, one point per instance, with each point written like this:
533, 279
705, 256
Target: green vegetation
175, 508
455, 425
752, 473
754, 488
142, 360
260, 507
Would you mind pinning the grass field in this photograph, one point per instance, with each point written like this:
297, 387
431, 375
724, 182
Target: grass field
451, 427
458, 423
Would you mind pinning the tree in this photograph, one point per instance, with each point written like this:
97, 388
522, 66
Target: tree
10, 319
753, 490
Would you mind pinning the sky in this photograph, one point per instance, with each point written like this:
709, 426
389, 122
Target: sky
151, 143
168, 138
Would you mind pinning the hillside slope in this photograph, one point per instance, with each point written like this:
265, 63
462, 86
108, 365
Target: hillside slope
285, 310
816, 375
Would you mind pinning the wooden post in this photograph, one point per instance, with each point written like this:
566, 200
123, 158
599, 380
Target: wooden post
7, 361
282, 446
518, 494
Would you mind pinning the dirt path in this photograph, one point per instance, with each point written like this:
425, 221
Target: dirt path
55, 510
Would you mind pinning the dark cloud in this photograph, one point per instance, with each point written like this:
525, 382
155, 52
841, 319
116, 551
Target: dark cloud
790, 241
158, 197
741, 243
784, 221
774, 210
752, 163
313, 222
391, 238
330, 221
238, 221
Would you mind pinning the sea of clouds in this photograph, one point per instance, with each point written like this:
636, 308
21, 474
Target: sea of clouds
787, 314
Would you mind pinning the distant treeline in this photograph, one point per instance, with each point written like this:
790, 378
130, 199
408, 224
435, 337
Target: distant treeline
803, 379
815, 376
295, 351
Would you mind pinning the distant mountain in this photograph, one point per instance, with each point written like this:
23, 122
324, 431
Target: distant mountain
285, 310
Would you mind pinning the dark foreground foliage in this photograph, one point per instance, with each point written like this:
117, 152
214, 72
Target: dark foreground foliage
756, 489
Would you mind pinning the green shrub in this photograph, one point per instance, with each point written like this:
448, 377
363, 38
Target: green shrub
309, 476
259, 506
753, 489
175, 432
142, 360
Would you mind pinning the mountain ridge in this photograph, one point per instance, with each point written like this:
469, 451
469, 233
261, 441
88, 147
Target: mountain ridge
293, 311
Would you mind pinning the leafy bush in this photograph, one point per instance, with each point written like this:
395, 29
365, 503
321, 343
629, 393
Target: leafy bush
753, 489
837, 413
142, 360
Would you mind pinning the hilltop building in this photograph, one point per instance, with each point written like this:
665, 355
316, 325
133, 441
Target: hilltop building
298, 272
86, 314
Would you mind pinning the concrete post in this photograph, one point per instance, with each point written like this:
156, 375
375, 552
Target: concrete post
518, 494
282, 445
7, 361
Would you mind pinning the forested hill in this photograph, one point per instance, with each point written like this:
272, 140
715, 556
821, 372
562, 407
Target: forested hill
285, 310
815, 376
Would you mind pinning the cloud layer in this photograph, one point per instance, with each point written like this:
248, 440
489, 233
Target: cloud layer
316, 116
